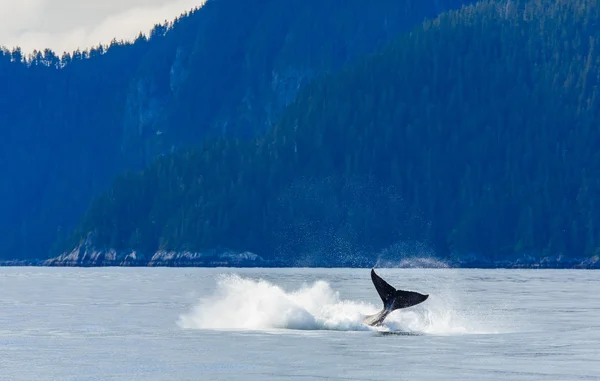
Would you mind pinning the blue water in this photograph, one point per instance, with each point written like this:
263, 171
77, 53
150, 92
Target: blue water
300, 324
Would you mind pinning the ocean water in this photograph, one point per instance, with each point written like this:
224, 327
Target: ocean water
296, 324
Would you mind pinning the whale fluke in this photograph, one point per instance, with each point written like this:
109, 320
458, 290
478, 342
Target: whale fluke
392, 299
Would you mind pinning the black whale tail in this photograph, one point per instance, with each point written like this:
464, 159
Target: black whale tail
392, 299
395, 299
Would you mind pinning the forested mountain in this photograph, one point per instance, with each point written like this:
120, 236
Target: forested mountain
475, 133
70, 123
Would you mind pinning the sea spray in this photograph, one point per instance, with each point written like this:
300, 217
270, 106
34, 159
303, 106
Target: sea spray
241, 303
249, 304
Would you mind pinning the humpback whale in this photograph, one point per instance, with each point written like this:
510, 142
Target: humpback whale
392, 300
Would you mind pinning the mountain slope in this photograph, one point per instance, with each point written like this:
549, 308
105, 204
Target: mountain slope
72, 123
474, 134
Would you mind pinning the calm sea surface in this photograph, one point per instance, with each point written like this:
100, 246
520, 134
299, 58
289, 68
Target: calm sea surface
298, 324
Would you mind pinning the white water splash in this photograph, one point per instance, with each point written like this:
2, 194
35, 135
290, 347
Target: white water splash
241, 303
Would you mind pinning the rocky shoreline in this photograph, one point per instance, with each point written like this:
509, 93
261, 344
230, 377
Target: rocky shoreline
85, 255
90, 257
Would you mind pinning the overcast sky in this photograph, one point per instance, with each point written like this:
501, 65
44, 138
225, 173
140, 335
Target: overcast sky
65, 25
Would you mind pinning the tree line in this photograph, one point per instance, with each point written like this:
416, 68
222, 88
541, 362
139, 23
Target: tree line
474, 133
72, 122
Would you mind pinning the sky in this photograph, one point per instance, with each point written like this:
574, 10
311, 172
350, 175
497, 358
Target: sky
67, 25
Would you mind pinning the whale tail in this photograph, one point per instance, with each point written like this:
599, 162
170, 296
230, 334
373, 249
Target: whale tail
392, 299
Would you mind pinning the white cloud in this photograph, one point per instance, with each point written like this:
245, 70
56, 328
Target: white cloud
15, 15
67, 25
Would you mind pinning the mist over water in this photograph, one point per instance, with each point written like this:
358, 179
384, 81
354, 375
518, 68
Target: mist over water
249, 304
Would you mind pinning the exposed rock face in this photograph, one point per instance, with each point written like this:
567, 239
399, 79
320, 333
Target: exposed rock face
142, 137
86, 255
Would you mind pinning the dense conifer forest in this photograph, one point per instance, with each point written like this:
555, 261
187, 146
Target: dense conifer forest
474, 134
71, 122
